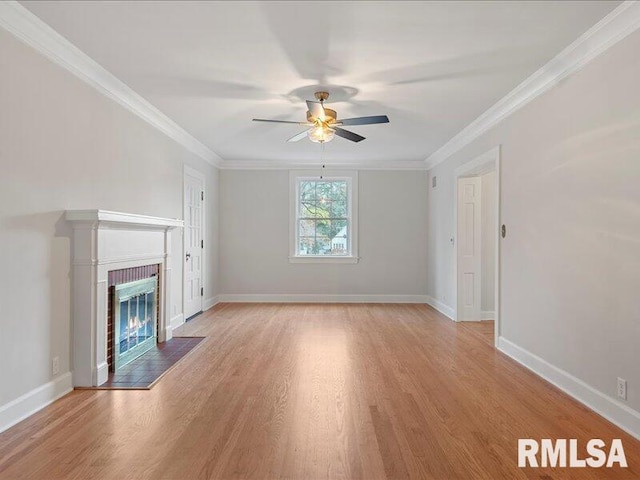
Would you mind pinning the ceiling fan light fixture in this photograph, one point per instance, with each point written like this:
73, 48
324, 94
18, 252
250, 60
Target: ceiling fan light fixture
320, 134
324, 123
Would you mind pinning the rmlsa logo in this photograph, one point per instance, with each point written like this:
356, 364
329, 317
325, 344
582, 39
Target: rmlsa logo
556, 454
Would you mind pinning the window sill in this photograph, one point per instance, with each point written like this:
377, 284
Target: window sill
323, 259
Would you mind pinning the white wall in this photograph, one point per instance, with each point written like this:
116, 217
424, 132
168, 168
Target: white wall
488, 242
571, 203
63, 146
254, 233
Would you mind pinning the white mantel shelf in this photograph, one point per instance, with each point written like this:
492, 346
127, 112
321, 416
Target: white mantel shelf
131, 219
104, 241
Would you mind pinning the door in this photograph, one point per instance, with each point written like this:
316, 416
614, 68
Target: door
469, 244
193, 242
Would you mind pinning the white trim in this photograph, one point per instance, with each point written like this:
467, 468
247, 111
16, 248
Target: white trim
176, 321
323, 259
210, 303
26, 405
142, 259
102, 372
28, 27
285, 165
166, 336
443, 308
351, 176
319, 298
129, 219
613, 410
622, 21
188, 170
482, 164
487, 315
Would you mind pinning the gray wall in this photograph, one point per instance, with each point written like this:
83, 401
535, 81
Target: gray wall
571, 204
254, 238
63, 146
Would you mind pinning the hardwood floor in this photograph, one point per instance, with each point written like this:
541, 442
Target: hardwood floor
311, 392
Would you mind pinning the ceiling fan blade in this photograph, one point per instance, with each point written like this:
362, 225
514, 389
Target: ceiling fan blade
341, 132
298, 137
280, 121
364, 120
316, 109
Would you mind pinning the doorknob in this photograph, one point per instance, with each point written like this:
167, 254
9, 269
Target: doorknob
188, 256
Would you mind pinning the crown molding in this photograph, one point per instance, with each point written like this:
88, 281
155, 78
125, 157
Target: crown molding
30, 29
622, 21
279, 165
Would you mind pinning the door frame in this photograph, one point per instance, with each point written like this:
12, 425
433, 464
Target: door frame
485, 163
192, 172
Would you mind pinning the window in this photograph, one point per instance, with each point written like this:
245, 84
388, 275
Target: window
323, 217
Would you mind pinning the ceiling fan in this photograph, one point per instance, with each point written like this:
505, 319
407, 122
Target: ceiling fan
323, 123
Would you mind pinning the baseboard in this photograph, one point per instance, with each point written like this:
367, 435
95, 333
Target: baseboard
441, 307
616, 412
176, 321
210, 303
319, 298
487, 315
102, 373
38, 398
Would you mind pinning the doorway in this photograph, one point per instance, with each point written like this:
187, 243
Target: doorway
193, 242
477, 257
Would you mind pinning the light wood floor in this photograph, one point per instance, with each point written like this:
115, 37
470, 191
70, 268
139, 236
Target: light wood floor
312, 392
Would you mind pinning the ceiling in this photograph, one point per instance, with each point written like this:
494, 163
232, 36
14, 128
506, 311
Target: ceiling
432, 67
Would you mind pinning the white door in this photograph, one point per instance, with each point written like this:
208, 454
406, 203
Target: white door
469, 243
193, 242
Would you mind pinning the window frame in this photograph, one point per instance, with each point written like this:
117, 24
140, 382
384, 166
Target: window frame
295, 177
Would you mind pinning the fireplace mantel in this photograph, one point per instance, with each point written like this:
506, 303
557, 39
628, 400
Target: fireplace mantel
103, 241
115, 218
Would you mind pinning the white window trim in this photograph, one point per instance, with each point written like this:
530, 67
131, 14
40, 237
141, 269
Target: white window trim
352, 177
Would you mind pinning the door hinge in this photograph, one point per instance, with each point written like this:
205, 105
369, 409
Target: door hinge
202, 291
201, 243
202, 196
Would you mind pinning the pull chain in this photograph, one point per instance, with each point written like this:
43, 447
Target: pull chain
322, 144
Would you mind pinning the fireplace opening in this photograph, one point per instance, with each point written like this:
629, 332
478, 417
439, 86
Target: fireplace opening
135, 321
132, 314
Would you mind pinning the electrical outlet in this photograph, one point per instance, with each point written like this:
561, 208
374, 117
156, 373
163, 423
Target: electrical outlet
622, 388
55, 365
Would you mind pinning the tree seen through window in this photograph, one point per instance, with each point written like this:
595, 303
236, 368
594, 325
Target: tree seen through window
323, 217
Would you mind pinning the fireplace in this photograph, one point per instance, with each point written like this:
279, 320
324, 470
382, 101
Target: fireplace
118, 312
134, 308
